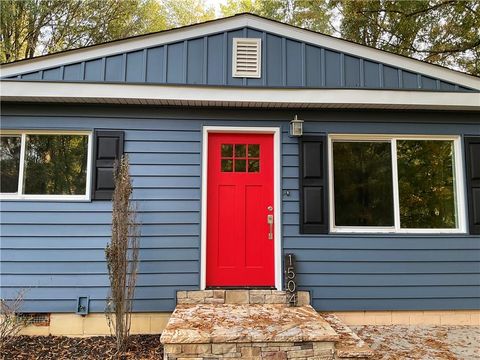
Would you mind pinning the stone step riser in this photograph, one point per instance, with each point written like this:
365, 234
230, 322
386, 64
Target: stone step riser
239, 297
269, 350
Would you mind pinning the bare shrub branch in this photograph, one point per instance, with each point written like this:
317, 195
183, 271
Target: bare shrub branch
122, 257
10, 322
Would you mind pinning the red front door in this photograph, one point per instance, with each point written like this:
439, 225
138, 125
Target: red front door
240, 240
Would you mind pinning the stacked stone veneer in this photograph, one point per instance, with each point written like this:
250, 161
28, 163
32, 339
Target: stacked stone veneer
265, 350
239, 297
247, 324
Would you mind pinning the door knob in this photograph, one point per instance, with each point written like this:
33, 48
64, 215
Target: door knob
270, 223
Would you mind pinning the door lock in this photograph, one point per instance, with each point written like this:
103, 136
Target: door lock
270, 223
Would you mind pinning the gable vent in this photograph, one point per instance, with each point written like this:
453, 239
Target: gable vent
246, 57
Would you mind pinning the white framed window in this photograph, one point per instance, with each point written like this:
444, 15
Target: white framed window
396, 184
45, 165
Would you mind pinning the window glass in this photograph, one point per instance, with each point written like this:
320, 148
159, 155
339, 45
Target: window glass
363, 189
56, 164
9, 163
426, 184
240, 160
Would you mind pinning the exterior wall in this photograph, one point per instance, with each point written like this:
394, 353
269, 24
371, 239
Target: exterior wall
208, 61
154, 323
55, 250
96, 325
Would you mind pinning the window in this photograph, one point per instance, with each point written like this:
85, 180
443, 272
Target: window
236, 158
395, 184
45, 165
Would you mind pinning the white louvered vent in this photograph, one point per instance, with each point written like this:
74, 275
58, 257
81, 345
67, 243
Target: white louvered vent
246, 57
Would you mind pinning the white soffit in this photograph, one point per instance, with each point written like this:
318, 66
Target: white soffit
235, 22
31, 91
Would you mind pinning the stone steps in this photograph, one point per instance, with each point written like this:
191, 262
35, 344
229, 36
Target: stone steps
255, 324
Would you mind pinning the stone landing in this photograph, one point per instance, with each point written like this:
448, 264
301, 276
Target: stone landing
254, 324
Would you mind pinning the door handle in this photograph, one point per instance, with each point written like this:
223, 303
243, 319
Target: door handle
270, 223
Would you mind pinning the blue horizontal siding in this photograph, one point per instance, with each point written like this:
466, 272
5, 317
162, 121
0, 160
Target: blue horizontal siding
55, 249
48, 267
285, 63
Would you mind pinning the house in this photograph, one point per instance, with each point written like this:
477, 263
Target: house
376, 194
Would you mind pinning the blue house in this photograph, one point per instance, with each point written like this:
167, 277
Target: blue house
376, 193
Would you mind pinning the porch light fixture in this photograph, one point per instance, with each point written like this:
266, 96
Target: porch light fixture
296, 127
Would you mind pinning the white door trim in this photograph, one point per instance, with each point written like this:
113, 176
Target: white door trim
277, 200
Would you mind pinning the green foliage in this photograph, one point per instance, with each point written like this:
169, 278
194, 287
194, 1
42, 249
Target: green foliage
35, 27
443, 32
310, 14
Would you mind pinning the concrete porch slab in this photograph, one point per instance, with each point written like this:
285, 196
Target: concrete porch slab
233, 323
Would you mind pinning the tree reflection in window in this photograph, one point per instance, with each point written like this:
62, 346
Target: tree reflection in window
363, 184
426, 184
9, 163
240, 158
56, 164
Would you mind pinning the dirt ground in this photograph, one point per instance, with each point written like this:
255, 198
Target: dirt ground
394, 342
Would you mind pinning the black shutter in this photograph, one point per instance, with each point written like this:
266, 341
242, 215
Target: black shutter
108, 148
472, 160
313, 185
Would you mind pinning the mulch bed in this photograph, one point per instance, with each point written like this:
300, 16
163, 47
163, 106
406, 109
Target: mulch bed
141, 347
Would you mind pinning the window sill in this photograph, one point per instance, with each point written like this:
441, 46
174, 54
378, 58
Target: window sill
370, 230
79, 198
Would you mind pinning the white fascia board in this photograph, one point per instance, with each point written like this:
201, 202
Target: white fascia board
235, 22
196, 95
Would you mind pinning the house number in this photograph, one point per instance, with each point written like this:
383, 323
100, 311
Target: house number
291, 279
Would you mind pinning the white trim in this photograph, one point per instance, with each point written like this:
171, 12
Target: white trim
21, 170
460, 201
244, 20
396, 191
229, 96
277, 202
19, 195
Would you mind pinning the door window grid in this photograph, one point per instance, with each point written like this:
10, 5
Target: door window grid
240, 158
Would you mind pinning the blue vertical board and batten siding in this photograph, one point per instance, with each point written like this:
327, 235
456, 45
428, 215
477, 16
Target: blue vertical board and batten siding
207, 60
55, 250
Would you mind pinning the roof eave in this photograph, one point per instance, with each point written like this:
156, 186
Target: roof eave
58, 92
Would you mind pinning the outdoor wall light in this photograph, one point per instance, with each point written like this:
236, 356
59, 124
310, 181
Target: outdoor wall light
296, 127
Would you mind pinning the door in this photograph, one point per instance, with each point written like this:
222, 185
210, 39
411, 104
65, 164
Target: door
240, 213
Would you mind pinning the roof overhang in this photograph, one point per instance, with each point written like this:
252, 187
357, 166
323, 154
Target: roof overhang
62, 92
231, 23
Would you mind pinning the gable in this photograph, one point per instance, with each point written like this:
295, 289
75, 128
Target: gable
287, 61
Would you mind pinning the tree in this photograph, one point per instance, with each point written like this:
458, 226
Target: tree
311, 14
443, 32
35, 27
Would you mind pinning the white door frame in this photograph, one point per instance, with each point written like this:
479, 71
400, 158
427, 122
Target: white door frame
277, 200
